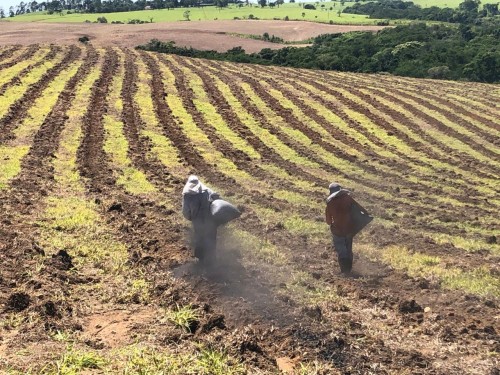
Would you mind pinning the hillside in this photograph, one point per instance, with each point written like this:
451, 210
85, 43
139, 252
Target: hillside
96, 273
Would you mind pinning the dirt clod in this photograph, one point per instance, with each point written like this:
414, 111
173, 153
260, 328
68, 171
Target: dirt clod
410, 307
62, 261
18, 302
116, 207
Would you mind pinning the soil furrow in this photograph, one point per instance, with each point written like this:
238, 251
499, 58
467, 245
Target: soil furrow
438, 124
399, 117
36, 172
54, 50
464, 162
454, 109
218, 101
30, 51
373, 117
19, 109
138, 146
450, 130
9, 51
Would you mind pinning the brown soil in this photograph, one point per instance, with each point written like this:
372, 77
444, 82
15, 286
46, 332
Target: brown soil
204, 35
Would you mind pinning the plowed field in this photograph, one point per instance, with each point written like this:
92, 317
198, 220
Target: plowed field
96, 273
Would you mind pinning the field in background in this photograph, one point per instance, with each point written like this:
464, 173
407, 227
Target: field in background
95, 147
293, 11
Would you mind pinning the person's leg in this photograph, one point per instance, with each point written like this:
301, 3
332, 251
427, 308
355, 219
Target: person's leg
211, 245
344, 255
199, 246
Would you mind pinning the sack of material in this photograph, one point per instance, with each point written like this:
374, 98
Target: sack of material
359, 217
223, 212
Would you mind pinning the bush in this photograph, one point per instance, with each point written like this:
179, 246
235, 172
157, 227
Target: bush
383, 23
102, 20
439, 72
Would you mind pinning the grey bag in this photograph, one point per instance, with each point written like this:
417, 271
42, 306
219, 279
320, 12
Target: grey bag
360, 218
223, 212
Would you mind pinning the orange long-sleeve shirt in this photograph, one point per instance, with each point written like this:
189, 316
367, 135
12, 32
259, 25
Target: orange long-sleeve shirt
338, 215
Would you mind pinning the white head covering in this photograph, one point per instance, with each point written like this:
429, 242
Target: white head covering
193, 185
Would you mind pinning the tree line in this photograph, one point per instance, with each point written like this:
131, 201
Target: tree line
397, 9
109, 6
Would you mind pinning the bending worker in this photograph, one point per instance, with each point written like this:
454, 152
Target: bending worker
196, 208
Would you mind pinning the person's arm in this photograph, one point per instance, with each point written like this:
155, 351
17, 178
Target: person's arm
328, 216
186, 210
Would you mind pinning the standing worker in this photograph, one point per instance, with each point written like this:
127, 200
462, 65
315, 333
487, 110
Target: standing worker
345, 218
196, 200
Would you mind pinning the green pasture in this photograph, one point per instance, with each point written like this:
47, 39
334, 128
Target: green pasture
210, 13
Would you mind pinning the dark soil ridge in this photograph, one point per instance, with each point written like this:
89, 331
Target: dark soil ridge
468, 89
233, 122
466, 161
428, 91
454, 132
19, 109
9, 51
455, 108
315, 137
54, 50
138, 146
30, 51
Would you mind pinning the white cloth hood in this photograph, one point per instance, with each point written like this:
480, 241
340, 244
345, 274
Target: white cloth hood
193, 186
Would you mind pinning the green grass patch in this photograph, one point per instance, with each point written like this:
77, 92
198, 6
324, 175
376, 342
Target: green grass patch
10, 163
259, 246
184, 317
294, 11
75, 361
478, 281
137, 290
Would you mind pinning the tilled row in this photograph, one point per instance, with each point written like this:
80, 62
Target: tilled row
53, 51
26, 55
19, 109
7, 52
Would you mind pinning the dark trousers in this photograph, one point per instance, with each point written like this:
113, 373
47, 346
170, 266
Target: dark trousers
343, 247
205, 241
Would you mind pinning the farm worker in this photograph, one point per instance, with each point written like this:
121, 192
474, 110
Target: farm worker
345, 218
196, 200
